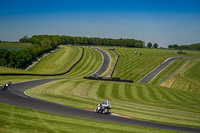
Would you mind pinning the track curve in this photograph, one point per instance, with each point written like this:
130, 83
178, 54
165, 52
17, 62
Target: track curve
106, 62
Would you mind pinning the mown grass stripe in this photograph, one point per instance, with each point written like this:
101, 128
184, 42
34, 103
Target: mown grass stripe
128, 91
140, 92
101, 92
115, 91
164, 95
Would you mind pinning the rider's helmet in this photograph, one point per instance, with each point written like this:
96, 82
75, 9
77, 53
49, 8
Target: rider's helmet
108, 103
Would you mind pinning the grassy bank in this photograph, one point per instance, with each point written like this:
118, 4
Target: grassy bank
11, 70
90, 63
187, 79
140, 101
58, 62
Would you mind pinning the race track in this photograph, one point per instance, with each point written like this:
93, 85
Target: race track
157, 70
15, 96
106, 62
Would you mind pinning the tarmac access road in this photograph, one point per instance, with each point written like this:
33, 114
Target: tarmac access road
15, 96
157, 70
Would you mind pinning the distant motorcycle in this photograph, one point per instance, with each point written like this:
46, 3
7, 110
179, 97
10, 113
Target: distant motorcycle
5, 86
103, 108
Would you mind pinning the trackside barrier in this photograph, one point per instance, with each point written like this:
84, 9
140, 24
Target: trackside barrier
27, 74
108, 79
114, 66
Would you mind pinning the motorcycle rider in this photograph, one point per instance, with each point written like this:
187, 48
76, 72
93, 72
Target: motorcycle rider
107, 103
9, 83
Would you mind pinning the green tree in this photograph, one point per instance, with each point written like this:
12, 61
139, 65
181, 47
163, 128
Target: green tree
175, 46
155, 45
4, 57
170, 46
149, 45
25, 39
46, 44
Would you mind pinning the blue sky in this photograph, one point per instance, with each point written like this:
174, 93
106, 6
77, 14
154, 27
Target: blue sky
158, 21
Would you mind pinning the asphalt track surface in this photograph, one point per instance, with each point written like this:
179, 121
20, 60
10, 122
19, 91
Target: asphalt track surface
157, 70
106, 62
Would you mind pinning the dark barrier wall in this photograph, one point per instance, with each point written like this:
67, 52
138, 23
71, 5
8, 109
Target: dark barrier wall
22, 74
114, 66
109, 79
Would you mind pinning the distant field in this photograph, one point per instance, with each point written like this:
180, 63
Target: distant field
140, 101
134, 67
22, 120
13, 45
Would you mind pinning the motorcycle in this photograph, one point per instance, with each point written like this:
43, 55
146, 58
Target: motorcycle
103, 108
5, 86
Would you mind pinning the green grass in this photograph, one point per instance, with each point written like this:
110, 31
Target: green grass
22, 120
140, 101
85, 67
90, 63
13, 45
134, 67
59, 61
194, 71
63, 59
11, 70
186, 79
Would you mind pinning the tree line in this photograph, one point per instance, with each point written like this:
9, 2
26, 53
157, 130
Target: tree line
195, 46
36, 39
43, 43
21, 59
